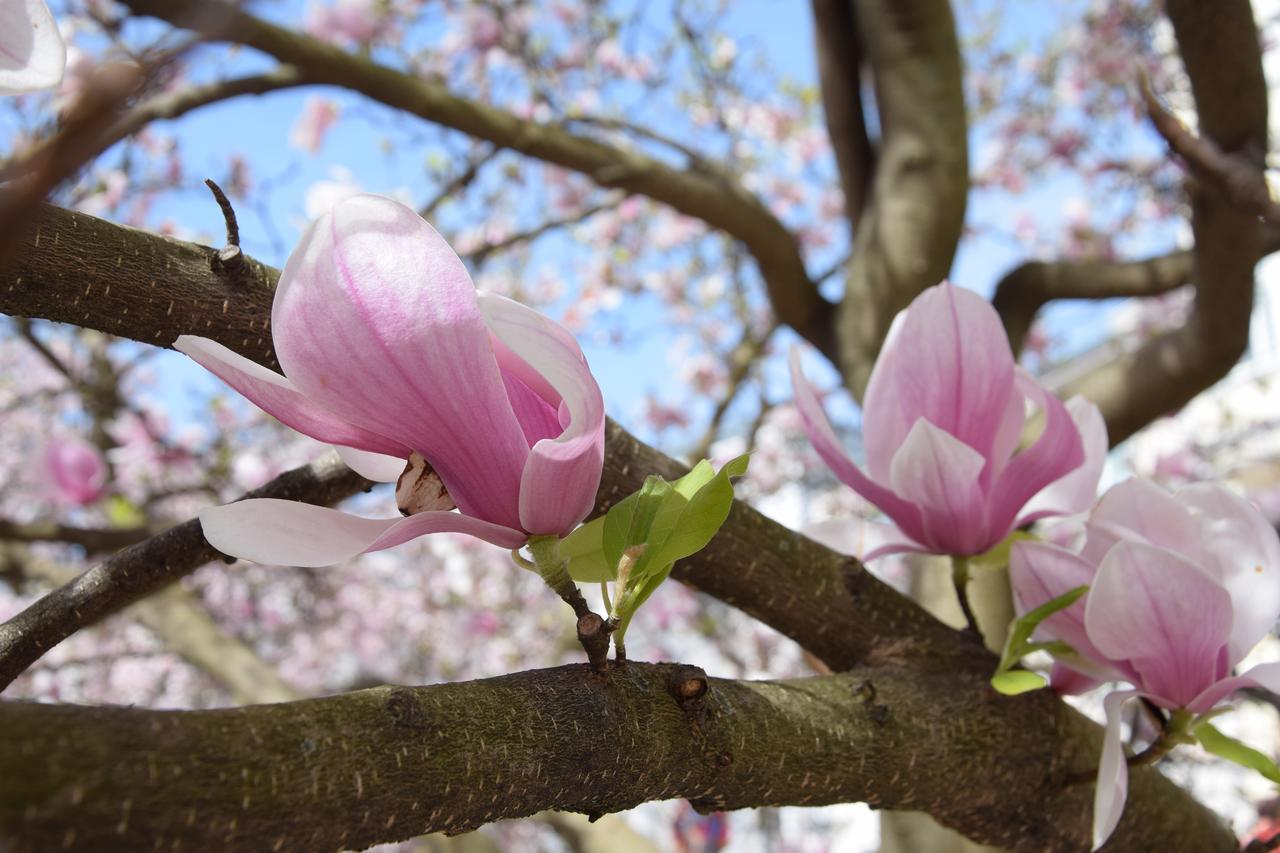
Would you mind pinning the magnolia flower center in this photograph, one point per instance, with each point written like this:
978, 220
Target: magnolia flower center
420, 489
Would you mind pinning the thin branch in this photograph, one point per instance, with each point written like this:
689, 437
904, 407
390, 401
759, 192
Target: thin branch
460, 181
93, 540
482, 254
146, 567
720, 202
742, 359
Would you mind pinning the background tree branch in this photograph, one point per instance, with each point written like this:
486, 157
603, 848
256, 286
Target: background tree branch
713, 197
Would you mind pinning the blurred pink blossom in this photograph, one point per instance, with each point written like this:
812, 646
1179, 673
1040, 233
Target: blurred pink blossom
76, 471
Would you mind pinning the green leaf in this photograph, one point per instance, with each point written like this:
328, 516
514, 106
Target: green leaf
701, 517
584, 551
1011, 682
123, 513
1233, 750
629, 521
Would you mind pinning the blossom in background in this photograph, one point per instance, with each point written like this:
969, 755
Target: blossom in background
75, 470
349, 21
32, 53
318, 115
1181, 587
943, 415
391, 354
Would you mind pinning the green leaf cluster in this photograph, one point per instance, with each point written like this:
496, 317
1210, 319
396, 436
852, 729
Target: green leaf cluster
638, 541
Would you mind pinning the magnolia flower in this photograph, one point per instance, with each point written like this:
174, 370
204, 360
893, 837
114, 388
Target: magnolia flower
32, 53
390, 353
1181, 588
76, 471
944, 411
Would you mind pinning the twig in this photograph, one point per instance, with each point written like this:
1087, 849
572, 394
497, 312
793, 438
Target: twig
229, 257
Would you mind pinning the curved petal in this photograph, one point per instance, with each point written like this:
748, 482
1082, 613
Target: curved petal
276, 396
824, 441
947, 361
290, 533
1113, 771
1040, 572
32, 53
375, 319
1058, 451
1163, 615
1076, 491
1243, 552
372, 466
1264, 675
1140, 511
939, 474
562, 475
1069, 681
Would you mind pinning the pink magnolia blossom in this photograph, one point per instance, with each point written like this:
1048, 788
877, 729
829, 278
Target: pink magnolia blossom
32, 53
76, 471
349, 21
1181, 587
318, 115
390, 353
944, 411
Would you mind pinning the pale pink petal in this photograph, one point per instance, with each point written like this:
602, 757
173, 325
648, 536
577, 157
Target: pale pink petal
1076, 491
1163, 615
1008, 437
1264, 675
939, 474
949, 362
824, 441
860, 538
538, 418
561, 478
1243, 553
1141, 511
1039, 573
372, 466
32, 53
1057, 452
1070, 681
290, 533
375, 318
276, 396
76, 470
1113, 771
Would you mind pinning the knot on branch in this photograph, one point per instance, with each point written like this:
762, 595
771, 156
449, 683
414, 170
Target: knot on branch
687, 685
866, 692
405, 709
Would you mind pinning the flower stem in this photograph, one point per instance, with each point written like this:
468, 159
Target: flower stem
593, 631
960, 577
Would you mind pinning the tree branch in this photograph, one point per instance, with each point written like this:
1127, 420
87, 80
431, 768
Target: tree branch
720, 202
1219, 45
840, 57
1027, 288
394, 762
177, 618
912, 222
825, 601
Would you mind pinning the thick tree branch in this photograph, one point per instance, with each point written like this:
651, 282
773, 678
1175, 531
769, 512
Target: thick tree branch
1219, 45
146, 567
394, 762
719, 201
840, 54
911, 224
1027, 288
